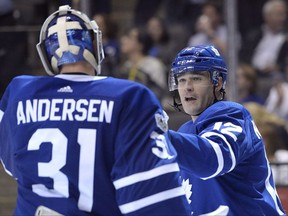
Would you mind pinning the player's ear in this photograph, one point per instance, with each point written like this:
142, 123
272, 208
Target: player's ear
219, 84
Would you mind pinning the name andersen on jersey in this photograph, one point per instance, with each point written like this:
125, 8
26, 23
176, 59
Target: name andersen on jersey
37, 110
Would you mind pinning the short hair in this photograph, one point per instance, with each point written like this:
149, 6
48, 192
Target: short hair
269, 5
142, 37
250, 74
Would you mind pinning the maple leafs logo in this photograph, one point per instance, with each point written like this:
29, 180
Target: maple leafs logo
188, 189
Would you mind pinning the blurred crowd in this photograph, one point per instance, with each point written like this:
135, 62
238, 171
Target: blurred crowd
143, 50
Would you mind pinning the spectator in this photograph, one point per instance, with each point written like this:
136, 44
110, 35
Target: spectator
274, 133
164, 46
277, 100
271, 127
138, 65
262, 45
180, 16
110, 44
210, 28
182, 12
247, 84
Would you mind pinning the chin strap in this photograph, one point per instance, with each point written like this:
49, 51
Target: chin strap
176, 105
222, 91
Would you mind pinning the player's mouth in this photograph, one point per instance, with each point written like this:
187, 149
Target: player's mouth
190, 99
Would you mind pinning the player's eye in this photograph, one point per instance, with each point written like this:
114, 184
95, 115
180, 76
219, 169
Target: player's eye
197, 78
181, 80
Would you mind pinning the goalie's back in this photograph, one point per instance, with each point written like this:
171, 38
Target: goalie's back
83, 145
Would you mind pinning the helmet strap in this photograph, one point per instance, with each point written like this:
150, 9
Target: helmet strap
222, 91
177, 105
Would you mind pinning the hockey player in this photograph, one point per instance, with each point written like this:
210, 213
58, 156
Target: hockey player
221, 153
80, 144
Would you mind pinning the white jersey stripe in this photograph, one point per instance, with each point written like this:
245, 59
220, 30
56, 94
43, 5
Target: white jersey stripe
79, 78
150, 200
233, 158
142, 176
1, 115
271, 190
6, 170
219, 156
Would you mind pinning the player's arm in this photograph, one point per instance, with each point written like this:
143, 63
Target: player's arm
214, 151
146, 174
6, 148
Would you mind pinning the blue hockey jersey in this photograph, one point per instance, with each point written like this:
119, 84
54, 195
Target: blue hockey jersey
224, 165
83, 145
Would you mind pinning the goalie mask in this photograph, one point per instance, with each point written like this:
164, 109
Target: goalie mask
198, 58
68, 36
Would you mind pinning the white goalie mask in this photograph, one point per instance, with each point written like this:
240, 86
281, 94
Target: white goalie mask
69, 36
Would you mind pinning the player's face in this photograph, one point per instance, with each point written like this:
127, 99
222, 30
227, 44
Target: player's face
196, 92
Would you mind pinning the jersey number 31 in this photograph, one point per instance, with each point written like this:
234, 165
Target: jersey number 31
87, 141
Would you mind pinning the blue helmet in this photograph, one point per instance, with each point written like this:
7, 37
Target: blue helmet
68, 36
198, 58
